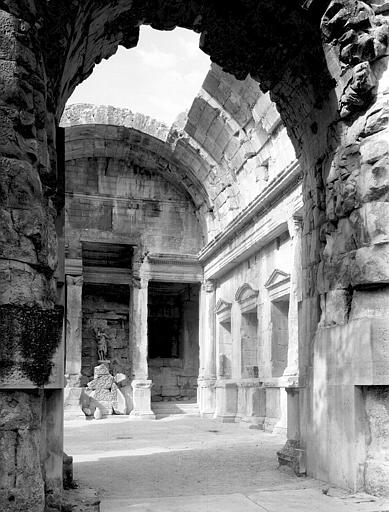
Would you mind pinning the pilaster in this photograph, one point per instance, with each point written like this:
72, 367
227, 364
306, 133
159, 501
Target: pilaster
295, 231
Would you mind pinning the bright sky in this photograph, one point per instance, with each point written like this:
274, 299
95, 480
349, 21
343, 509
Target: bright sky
159, 78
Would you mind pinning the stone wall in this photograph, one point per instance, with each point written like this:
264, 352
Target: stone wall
108, 198
252, 350
106, 308
20, 427
329, 83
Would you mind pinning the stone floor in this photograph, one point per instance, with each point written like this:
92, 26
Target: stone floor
186, 464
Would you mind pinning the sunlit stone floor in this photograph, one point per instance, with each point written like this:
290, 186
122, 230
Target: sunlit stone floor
187, 464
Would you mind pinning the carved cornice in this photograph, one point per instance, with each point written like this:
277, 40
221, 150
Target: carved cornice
173, 259
277, 189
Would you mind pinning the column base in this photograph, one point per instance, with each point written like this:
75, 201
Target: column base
141, 395
282, 423
206, 397
73, 403
226, 401
139, 415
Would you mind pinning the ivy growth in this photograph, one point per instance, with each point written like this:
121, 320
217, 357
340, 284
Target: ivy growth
29, 337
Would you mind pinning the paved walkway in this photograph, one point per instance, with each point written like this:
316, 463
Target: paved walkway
186, 464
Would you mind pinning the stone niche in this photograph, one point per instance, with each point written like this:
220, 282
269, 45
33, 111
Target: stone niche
105, 307
246, 297
224, 361
173, 345
278, 287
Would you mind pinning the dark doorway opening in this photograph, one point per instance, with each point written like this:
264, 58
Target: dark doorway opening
173, 340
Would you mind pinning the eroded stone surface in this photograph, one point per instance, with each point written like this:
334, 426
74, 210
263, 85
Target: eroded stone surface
332, 103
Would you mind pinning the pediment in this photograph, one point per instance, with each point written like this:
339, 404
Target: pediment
277, 278
223, 311
222, 306
245, 292
246, 296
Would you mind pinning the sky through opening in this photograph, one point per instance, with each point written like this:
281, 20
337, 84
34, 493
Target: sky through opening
158, 78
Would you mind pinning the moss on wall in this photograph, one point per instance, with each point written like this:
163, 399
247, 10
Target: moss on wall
29, 336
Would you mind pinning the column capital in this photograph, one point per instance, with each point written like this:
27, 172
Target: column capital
138, 281
74, 280
209, 286
295, 225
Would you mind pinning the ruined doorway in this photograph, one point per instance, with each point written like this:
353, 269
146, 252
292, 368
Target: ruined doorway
173, 340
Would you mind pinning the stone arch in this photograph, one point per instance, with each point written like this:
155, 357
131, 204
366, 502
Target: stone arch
329, 83
137, 148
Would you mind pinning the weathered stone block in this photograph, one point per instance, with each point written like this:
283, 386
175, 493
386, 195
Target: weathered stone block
20, 410
335, 306
374, 222
371, 265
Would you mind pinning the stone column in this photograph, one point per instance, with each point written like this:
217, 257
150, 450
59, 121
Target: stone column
295, 231
73, 390
291, 454
207, 376
141, 385
73, 329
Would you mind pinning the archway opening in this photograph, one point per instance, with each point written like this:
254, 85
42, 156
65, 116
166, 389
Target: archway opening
56, 48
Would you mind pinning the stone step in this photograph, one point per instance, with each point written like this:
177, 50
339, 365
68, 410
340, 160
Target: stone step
175, 407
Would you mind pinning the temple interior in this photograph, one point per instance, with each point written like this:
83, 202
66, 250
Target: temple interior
236, 261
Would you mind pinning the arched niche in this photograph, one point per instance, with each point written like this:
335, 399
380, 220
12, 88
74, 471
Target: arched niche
246, 297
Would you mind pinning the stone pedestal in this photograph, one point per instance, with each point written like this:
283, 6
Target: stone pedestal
73, 402
226, 401
206, 398
282, 423
292, 454
251, 402
141, 394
